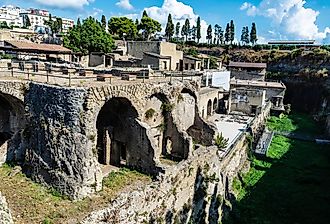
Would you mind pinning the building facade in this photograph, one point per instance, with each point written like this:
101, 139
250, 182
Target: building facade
11, 15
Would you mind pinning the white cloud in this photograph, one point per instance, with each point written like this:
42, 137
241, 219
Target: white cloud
74, 4
180, 12
290, 18
125, 4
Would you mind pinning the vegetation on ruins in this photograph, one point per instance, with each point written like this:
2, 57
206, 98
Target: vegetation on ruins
221, 142
294, 177
88, 37
27, 199
150, 113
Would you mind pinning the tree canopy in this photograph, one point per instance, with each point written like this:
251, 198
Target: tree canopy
88, 37
149, 26
122, 26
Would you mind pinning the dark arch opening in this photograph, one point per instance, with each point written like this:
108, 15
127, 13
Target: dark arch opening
190, 92
115, 132
12, 120
209, 108
215, 104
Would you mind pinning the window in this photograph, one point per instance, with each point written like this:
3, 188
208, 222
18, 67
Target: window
192, 67
177, 66
199, 65
165, 64
186, 66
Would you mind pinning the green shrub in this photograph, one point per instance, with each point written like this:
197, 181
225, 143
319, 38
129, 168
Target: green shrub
150, 113
167, 107
221, 142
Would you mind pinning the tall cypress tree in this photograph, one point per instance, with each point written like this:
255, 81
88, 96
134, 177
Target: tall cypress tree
187, 28
253, 34
209, 34
232, 32
227, 33
144, 14
169, 31
247, 35
198, 27
104, 22
177, 29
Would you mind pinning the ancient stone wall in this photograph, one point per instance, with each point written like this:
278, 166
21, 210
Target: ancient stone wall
58, 149
195, 190
5, 214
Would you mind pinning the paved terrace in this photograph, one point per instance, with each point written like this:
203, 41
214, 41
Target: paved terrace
72, 78
231, 126
257, 84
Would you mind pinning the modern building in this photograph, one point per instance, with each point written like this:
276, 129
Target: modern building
37, 18
11, 15
67, 24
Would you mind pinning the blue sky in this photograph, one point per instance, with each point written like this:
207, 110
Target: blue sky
275, 19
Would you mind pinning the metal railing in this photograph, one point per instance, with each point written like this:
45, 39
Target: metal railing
72, 77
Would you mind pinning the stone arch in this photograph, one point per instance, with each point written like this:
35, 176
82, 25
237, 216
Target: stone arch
209, 108
14, 89
12, 121
215, 104
122, 139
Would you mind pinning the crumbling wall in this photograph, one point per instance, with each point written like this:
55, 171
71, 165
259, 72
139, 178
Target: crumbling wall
196, 190
58, 149
5, 214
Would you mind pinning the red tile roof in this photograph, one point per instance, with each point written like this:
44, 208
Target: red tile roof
30, 46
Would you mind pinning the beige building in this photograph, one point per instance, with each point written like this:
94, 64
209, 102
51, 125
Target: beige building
248, 71
162, 55
191, 63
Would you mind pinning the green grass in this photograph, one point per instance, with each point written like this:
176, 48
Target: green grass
32, 203
290, 185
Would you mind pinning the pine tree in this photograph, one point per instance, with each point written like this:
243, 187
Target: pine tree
227, 34
169, 31
104, 22
198, 27
253, 34
209, 34
232, 32
177, 29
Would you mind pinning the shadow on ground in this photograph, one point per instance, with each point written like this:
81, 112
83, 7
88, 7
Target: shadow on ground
294, 189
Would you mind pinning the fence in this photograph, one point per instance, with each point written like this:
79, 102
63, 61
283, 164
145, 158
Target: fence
79, 77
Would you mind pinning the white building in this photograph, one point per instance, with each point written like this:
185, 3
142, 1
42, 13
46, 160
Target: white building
37, 18
67, 24
11, 15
